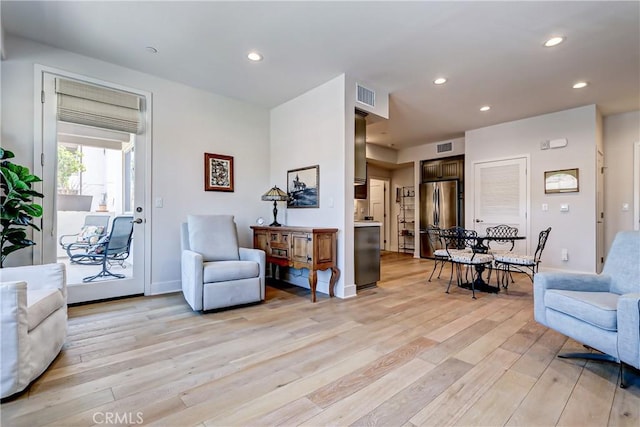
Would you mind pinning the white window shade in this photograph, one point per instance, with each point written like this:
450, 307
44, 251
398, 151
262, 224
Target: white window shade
500, 191
86, 104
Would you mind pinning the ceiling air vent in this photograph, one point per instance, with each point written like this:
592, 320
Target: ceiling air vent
447, 146
366, 96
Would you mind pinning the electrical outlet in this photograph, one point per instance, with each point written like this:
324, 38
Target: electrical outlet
565, 255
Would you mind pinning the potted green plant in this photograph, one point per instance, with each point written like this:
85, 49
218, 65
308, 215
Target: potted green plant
69, 164
18, 209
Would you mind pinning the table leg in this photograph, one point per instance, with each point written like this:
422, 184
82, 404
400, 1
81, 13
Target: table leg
335, 275
313, 282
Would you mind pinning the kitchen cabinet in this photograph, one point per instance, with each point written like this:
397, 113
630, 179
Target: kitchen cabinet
366, 253
360, 171
448, 168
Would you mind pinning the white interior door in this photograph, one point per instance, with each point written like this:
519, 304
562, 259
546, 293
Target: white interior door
112, 176
500, 196
377, 207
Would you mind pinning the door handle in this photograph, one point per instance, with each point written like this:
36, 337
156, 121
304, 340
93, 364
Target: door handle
479, 220
137, 221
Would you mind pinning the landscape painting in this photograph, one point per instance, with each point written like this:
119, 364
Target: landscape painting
303, 187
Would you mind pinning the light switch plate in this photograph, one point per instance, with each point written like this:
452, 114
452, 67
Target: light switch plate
564, 207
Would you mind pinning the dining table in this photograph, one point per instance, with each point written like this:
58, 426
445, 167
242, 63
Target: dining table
482, 246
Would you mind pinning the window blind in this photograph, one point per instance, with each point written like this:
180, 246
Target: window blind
100, 107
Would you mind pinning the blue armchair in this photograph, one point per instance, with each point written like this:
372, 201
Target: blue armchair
600, 311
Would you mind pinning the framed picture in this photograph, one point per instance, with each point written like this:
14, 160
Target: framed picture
303, 187
218, 172
561, 181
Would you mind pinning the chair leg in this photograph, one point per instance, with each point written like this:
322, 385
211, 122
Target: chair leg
441, 267
435, 266
103, 273
450, 279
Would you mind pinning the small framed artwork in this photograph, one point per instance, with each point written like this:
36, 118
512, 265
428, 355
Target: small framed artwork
303, 187
561, 181
218, 172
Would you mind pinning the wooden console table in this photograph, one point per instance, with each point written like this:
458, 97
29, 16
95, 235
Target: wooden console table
300, 247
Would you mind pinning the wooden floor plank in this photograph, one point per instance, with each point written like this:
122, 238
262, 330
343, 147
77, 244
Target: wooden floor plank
403, 353
450, 405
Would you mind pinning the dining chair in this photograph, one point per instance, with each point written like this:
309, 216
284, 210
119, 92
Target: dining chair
502, 241
527, 264
459, 244
440, 254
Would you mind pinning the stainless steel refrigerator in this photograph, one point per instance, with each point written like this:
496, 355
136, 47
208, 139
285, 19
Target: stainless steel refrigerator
440, 207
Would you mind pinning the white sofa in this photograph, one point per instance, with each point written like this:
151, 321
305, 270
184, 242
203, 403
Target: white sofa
33, 322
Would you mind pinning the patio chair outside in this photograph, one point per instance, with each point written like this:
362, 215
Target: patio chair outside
114, 248
94, 228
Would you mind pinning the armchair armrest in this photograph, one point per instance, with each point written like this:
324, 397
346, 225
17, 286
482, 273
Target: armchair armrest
259, 256
65, 244
192, 271
574, 281
44, 276
13, 329
566, 281
629, 329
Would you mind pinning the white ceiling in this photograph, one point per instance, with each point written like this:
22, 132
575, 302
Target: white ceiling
491, 52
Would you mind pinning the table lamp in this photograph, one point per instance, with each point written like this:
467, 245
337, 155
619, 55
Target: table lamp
277, 195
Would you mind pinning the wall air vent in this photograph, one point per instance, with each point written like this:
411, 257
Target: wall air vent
443, 148
366, 96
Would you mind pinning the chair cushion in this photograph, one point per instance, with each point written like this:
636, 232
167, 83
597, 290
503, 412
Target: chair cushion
469, 258
514, 259
214, 237
223, 271
41, 303
596, 308
441, 253
90, 234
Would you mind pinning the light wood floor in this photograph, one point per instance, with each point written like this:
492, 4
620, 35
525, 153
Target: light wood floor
402, 354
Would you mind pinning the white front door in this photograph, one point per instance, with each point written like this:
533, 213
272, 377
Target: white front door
91, 172
500, 197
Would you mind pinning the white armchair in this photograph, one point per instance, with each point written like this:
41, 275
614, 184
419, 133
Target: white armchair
216, 272
33, 322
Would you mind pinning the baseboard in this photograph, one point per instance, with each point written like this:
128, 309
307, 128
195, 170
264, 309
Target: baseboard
349, 291
158, 288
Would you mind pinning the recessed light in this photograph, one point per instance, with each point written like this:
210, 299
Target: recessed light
554, 41
580, 85
440, 81
151, 49
254, 56
485, 108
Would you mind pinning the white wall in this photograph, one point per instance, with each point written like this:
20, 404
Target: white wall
383, 154
187, 122
621, 131
310, 130
430, 151
574, 230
